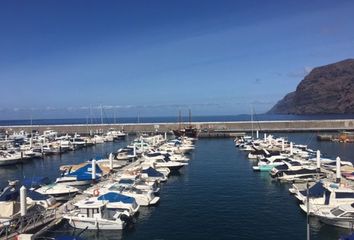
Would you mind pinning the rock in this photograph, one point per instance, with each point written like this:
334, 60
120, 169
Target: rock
325, 90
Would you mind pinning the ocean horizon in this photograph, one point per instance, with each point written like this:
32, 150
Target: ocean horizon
174, 119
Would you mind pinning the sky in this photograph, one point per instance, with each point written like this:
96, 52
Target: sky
65, 59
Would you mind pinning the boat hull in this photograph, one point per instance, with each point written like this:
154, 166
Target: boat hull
338, 222
93, 224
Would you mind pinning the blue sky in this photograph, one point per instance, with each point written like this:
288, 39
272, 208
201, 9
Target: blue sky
58, 58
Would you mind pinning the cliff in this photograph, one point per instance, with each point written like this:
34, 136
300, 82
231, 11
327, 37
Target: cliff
325, 90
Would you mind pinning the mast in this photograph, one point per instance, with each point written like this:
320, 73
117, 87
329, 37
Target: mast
190, 117
179, 119
252, 119
101, 115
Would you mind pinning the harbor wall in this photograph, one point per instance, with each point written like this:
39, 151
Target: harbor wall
203, 127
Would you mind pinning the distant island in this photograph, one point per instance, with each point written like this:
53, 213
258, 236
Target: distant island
325, 90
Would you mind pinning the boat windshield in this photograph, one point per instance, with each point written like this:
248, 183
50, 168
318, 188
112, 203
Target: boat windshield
337, 211
116, 187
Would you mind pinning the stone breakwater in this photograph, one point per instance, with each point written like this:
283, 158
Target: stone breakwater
203, 127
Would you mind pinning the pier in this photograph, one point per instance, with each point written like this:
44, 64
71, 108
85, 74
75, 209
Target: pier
207, 129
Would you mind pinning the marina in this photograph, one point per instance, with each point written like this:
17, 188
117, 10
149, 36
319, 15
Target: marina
218, 172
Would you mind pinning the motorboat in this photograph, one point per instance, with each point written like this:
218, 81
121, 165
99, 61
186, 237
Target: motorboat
120, 202
340, 216
61, 192
151, 174
300, 175
80, 177
267, 164
138, 182
328, 196
94, 214
10, 158
143, 198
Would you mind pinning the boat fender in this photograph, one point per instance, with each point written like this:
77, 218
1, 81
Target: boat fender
96, 192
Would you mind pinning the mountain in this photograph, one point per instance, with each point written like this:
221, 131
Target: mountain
325, 90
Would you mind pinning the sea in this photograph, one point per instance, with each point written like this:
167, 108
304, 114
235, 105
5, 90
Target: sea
217, 196
171, 119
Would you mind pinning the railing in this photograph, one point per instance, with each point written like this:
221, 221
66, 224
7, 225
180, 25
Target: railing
24, 224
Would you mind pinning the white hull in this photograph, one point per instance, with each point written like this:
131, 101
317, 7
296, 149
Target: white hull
95, 224
338, 223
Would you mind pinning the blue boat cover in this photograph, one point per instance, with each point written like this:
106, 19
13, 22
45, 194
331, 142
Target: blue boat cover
316, 190
151, 172
84, 173
9, 194
35, 182
116, 197
85, 176
36, 196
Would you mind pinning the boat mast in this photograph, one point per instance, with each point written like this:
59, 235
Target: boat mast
252, 119
190, 117
101, 115
179, 119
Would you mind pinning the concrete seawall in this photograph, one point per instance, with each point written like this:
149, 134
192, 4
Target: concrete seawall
240, 126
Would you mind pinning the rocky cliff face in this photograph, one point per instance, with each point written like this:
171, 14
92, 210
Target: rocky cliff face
327, 89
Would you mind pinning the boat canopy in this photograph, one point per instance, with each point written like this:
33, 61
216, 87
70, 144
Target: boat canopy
151, 172
35, 182
36, 196
316, 190
86, 169
116, 197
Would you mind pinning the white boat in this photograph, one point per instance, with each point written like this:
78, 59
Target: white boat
120, 202
326, 196
340, 216
300, 175
138, 182
7, 158
98, 139
151, 174
61, 192
143, 198
80, 177
160, 161
90, 214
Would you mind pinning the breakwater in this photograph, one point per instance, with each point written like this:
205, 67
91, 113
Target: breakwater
205, 128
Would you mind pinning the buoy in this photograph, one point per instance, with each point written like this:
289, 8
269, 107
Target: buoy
96, 192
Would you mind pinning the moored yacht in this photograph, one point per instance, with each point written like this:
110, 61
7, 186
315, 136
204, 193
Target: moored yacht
94, 214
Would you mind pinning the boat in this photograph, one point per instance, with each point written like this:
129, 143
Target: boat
300, 175
143, 198
326, 197
90, 214
120, 202
10, 158
61, 192
340, 216
186, 132
160, 161
81, 176
266, 165
151, 174
137, 181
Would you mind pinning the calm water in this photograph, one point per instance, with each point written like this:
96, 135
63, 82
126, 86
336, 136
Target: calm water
222, 118
217, 196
